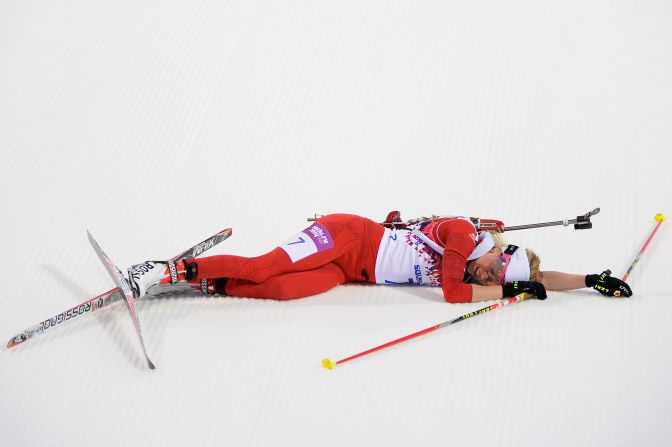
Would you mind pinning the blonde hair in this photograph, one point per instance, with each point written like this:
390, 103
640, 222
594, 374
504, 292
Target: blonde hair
498, 238
535, 262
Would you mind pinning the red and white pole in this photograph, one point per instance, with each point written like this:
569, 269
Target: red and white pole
330, 364
660, 218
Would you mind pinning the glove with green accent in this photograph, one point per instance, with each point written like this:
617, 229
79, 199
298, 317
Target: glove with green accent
511, 289
608, 286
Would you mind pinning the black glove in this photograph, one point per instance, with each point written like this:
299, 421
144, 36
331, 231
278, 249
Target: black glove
607, 285
511, 289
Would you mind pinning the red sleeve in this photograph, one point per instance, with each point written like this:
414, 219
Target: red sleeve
459, 239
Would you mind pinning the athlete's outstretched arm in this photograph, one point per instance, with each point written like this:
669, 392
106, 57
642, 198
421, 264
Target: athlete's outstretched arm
561, 281
485, 293
558, 281
603, 283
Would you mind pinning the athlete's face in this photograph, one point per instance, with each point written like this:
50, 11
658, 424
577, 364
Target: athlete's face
482, 269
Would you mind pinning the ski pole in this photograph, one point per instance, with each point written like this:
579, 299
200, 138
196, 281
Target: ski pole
660, 218
330, 364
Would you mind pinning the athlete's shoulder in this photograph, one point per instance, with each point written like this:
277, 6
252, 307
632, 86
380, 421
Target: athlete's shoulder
456, 219
443, 227
455, 224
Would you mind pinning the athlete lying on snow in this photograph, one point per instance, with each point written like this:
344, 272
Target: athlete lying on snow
446, 252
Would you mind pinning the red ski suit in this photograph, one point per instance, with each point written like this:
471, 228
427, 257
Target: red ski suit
337, 249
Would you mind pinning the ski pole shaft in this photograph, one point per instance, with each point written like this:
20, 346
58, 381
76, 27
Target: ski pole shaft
660, 218
329, 364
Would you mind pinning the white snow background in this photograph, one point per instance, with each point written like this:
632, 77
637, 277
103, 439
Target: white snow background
155, 124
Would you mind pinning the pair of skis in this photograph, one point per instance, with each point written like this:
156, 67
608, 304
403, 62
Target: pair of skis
122, 291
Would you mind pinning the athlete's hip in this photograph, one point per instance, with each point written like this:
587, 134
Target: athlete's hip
359, 238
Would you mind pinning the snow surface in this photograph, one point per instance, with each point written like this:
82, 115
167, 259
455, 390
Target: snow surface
155, 124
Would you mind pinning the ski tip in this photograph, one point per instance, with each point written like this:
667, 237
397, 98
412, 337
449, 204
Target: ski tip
150, 364
660, 217
16, 340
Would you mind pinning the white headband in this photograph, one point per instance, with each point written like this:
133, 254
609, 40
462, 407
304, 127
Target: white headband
485, 244
518, 267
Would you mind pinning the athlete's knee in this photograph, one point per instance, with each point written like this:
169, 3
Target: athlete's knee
260, 268
304, 284
285, 288
256, 274
286, 292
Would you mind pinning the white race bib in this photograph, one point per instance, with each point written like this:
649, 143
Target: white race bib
313, 239
406, 258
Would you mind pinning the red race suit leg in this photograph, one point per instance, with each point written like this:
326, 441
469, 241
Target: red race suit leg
347, 241
290, 285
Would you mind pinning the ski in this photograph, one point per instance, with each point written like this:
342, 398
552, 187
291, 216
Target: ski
122, 284
110, 297
203, 246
